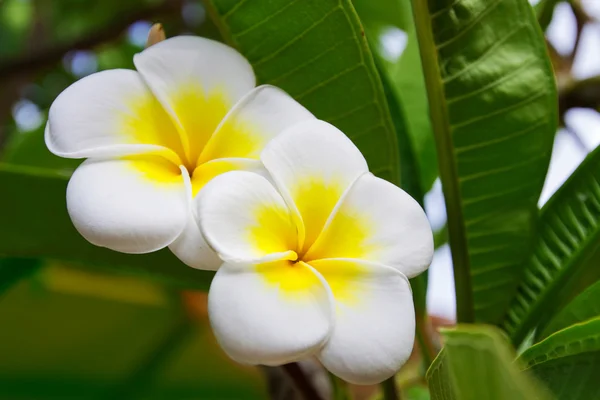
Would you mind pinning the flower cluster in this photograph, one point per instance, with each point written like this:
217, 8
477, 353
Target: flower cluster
313, 252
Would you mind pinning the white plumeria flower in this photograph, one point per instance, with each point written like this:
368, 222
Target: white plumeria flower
154, 137
316, 264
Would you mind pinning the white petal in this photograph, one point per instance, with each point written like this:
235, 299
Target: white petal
191, 248
198, 81
253, 122
377, 221
270, 314
204, 173
134, 205
374, 327
313, 163
109, 113
244, 218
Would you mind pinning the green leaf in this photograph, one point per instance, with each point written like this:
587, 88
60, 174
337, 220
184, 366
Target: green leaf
405, 76
13, 270
409, 84
477, 363
568, 361
583, 307
35, 223
315, 50
493, 106
82, 335
566, 254
28, 149
544, 11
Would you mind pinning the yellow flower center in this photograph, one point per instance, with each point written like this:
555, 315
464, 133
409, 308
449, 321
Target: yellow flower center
192, 139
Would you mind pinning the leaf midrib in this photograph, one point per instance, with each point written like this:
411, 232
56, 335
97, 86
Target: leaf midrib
446, 160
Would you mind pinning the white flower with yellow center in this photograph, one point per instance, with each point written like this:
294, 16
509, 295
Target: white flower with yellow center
316, 263
154, 137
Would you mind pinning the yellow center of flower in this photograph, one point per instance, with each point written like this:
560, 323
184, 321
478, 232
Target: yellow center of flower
191, 136
312, 240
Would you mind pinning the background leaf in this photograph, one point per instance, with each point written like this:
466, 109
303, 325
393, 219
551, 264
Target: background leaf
477, 363
583, 307
492, 100
74, 334
38, 197
566, 254
316, 51
568, 361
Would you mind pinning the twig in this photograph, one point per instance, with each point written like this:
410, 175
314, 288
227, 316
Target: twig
304, 386
389, 389
47, 57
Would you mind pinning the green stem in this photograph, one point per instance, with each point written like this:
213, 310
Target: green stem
389, 389
447, 165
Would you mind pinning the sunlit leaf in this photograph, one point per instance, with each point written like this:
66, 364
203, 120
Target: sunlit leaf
493, 106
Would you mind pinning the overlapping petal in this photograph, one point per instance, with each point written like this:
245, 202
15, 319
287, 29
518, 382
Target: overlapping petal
133, 205
258, 117
270, 313
374, 327
313, 163
191, 248
198, 81
377, 221
110, 113
244, 218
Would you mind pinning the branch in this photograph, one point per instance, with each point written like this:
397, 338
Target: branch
583, 93
43, 58
300, 380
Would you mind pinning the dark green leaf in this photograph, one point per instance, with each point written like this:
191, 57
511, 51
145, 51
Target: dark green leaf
568, 361
493, 106
583, 307
566, 253
35, 223
13, 270
477, 363
315, 50
80, 335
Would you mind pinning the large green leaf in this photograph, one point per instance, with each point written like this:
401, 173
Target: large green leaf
493, 108
34, 223
72, 334
315, 50
583, 307
566, 253
477, 363
568, 361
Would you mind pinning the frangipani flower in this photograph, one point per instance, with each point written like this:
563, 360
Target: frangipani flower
155, 136
316, 264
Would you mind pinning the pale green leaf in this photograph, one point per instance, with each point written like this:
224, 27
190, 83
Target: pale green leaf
477, 363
